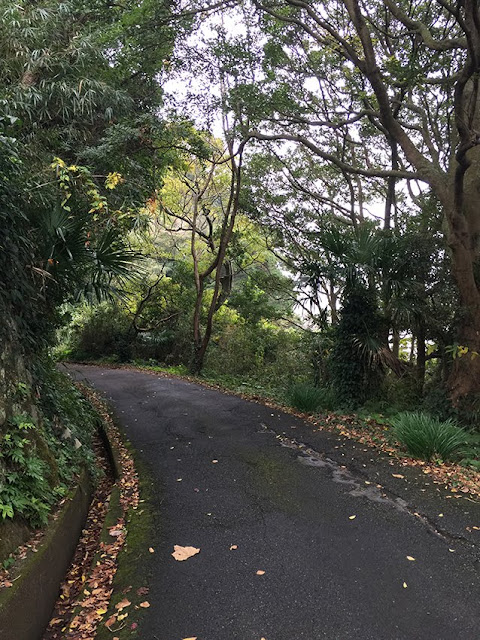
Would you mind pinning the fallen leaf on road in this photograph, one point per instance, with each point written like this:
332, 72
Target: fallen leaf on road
145, 605
397, 475
233, 547
110, 621
142, 591
151, 550
122, 617
404, 585
192, 638
214, 461
440, 515
411, 558
260, 573
122, 604
179, 479
352, 517
183, 553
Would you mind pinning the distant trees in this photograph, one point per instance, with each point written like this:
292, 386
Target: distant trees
365, 102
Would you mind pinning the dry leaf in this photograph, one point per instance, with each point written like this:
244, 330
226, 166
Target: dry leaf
142, 591
183, 553
192, 638
151, 550
412, 559
404, 585
214, 461
260, 572
233, 547
397, 475
122, 604
55, 621
110, 621
145, 605
352, 517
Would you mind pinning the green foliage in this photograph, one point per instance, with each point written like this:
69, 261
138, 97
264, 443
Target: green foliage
99, 331
427, 437
38, 459
355, 364
305, 397
26, 490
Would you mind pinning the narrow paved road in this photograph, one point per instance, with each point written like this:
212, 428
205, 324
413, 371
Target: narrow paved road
223, 477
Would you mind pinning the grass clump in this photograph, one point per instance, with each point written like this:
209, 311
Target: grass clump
308, 398
427, 437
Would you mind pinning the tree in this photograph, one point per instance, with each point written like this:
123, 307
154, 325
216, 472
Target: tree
383, 92
205, 203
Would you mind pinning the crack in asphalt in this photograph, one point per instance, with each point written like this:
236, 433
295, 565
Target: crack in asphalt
342, 475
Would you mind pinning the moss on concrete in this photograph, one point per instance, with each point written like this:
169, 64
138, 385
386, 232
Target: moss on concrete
133, 569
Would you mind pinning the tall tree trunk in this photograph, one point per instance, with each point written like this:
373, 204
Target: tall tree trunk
421, 354
463, 239
396, 343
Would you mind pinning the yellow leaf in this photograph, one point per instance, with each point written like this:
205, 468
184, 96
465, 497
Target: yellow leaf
404, 585
122, 617
183, 553
352, 517
101, 611
411, 558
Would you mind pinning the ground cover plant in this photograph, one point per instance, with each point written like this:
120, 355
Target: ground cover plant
426, 437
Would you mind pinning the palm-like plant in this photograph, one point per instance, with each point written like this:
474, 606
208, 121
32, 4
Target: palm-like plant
78, 263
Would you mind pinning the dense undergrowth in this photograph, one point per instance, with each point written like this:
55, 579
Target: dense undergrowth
41, 454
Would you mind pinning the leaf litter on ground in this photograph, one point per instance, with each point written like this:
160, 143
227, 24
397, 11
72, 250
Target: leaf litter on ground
88, 587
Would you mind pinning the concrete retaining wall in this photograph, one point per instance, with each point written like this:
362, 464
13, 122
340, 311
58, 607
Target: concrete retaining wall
26, 607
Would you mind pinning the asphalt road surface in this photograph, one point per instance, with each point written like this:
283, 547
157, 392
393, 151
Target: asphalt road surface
333, 547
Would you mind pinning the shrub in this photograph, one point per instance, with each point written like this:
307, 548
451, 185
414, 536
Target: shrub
306, 397
425, 436
100, 331
354, 365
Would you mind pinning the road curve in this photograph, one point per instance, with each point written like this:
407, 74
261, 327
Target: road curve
332, 548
